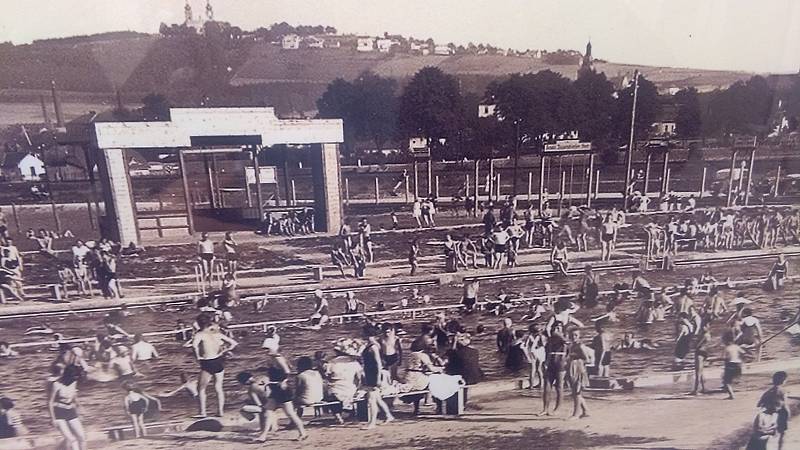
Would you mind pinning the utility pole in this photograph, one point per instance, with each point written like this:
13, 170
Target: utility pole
516, 158
629, 158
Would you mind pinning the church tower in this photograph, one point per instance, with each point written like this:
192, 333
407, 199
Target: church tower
587, 64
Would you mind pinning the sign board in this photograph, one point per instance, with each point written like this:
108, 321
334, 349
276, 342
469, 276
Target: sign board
267, 174
568, 146
419, 147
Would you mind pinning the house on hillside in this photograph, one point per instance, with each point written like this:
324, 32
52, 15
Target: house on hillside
443, 50
385, 45
290, 42
419, 47
21, 166
314, 42
365, 44
665, 125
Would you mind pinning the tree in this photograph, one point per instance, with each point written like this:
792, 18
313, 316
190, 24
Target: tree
368, 107
155, 107
688, 122
597, 95
431, 106
745, 107
647, 109
544, 103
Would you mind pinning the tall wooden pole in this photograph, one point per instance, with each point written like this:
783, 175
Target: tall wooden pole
561, 191
589, 177
541, 184
186, 196
730, 178
629, 158
750, 177
416, 181
477, 183
259, 197
647, 174
664, 170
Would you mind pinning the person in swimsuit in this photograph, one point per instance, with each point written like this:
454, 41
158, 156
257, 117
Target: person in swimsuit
578, 356
231, 253
259, 402
608, 230
778, 273
534, 347
555, 368
373, 366
353, 305
320, 316
589, 289
470, 297
280, 393
205, 253
683, 339
63, 406
365, 235
413, 255
559, 258
210, 346
137, 403
700, 357
601, 344
733, 363
391, 349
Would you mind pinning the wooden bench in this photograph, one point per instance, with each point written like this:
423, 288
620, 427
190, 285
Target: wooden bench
689, 242
453, 406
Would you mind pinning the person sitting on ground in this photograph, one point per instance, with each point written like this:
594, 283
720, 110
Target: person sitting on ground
308, 385
559, 258
630, 342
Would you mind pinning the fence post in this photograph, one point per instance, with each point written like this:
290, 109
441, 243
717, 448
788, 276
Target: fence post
436, 186
561, 191
477, 182
703, 183
405, 182
347, 190
777, 182
89, 211
16, 217
666, 181
377, 194
55, 214
530, 186
294, 194
597, 184
498, 187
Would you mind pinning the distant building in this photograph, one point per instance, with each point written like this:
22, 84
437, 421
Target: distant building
22, 166
314, 42
365, 44
664, 128
419, 47
385, 45
486, 110
665, 125
587, 63
443, 50
290, 42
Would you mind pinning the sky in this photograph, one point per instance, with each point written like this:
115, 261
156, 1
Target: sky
750, 35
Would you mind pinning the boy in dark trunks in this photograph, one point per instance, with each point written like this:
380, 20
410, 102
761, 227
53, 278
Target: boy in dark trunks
210, 346
555, 368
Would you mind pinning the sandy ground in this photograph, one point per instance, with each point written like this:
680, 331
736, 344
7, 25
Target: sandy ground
644, 419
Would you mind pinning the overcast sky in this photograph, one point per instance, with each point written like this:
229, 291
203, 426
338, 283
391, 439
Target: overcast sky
752, 35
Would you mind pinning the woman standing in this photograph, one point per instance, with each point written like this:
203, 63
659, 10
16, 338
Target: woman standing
373, 366
63, 406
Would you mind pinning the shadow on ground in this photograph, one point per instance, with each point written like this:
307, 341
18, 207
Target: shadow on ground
528, 438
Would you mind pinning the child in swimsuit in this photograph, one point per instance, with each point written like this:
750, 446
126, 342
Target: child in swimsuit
137, 403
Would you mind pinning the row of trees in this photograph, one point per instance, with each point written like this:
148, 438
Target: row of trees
536, 107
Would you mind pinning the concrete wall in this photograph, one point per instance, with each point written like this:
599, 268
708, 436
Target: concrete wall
327, 188
120, 219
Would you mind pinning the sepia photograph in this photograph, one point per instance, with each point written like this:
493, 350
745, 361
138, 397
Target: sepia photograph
414, 225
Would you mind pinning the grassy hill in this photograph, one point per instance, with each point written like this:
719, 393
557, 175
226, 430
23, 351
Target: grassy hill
187, 68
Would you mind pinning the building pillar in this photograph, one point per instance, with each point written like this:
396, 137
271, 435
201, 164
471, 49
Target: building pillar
327, 197
119, 222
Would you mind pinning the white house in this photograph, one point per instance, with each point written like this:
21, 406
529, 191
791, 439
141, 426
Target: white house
385, 45
664, 128
290, 42
365, 44
486, 110
442, 50
19, 165
314, 42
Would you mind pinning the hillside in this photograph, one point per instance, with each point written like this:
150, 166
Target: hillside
248, 72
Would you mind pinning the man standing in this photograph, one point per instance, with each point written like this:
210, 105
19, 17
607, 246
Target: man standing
210, 346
